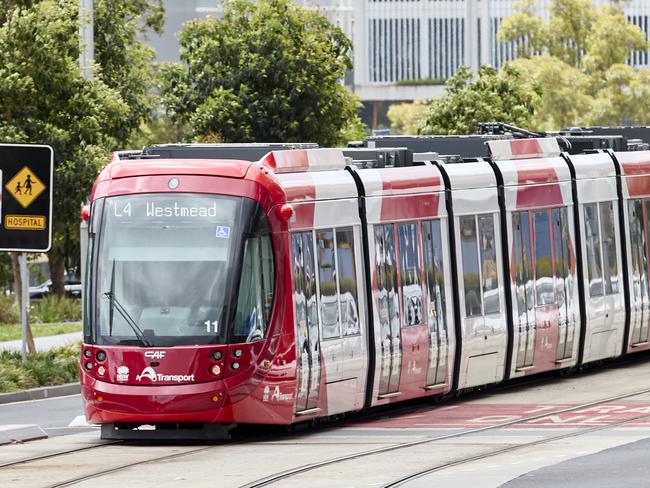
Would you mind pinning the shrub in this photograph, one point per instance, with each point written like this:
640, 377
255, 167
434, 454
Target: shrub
55, 367
53, 308
8, 310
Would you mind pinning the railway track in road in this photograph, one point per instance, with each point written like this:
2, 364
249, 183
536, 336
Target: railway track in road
422, 473
283, 475
54, 454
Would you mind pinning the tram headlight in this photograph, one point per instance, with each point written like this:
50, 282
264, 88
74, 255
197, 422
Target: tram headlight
217, 355
237, 353
89, 365
215, 370
234, 366
101, 371
88, 353
101, 356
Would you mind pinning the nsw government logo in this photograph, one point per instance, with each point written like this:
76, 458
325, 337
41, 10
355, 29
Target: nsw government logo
123, 374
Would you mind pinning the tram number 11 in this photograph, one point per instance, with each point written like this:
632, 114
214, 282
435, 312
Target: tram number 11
214, 324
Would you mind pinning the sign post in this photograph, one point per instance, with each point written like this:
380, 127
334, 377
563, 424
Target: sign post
26, 177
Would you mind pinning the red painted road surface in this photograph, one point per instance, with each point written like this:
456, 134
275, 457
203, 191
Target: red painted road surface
472, 416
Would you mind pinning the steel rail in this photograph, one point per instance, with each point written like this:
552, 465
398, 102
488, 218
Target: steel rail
404, 445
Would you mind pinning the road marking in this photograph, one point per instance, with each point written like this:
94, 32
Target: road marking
80, 421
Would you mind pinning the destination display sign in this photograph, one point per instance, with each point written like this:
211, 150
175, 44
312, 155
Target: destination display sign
26, 175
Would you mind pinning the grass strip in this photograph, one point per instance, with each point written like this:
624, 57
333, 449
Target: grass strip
12, 332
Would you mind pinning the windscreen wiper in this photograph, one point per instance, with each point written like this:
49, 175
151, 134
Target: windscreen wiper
129, 320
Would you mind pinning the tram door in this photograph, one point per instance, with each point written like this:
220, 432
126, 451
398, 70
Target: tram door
388, 309
306, 321
436, 305
638, 216
563, 284
523, 275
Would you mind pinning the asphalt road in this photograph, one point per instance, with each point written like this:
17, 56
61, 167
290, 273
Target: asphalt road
54, 415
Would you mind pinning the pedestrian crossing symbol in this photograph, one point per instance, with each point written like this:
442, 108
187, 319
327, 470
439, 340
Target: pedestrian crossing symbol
25, 187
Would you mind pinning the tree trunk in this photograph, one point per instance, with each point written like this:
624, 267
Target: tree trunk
18, 289
57, 275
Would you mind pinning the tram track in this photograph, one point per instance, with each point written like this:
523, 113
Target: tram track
288, 473
283, 475
55, 454
422, 473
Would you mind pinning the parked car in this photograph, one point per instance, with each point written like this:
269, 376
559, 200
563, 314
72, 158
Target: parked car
72, 289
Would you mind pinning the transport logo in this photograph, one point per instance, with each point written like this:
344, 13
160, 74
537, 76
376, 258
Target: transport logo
123, 374
149, 373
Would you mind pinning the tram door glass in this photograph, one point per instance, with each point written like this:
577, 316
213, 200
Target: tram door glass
306, 320
638, 242
563, 283
388, 307
522, 249
436, 309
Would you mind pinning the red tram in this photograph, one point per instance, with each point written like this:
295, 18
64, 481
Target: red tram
222, 292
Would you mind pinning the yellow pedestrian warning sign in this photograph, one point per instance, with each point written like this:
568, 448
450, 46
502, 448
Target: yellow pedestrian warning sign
25, 187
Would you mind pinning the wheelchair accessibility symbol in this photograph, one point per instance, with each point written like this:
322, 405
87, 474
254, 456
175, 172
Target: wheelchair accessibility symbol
223, 232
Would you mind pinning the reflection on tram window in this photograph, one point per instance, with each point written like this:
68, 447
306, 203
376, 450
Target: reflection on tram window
471, 276
391, 275
592, 244
523, 264
432, 242
490, 279
561, 252
347, 281
409, 251
382, 292
544, 289
637, 249
610, 264
329, 303
310, 290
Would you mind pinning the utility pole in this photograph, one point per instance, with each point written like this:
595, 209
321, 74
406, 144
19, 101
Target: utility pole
86, 38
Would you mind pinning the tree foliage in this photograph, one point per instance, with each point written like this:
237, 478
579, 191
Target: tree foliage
267, 71
577, 55
406, 118
501, 96
45, 99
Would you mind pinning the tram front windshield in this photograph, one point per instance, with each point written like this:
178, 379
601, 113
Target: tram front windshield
165, 268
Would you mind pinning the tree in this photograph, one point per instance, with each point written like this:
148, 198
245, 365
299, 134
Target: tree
45, 99
564, 100
501, 96
578, 62
268, 71
406, 118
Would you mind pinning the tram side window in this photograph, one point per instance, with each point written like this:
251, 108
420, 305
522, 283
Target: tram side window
388, 301
592, 243
304, 286
523, 262
255, 290
347, 281
561, 251
432, 242
610, 265
637, 244
327, 276
471, 274
490, 276
544, 289
409, 251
